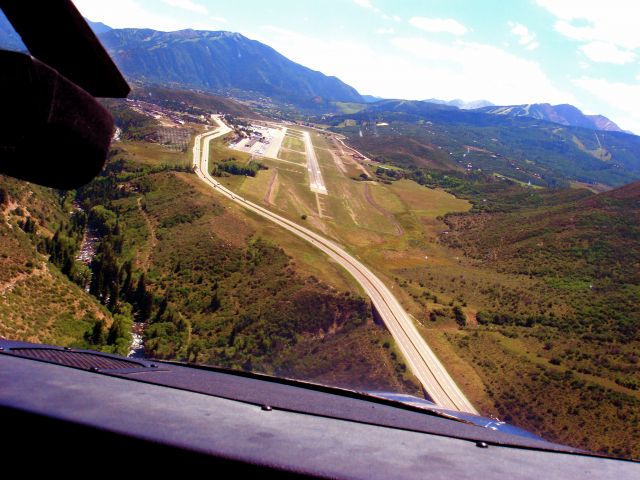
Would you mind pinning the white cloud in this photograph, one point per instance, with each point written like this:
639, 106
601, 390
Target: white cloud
385, 31
439, 25
583, 33
608, 31
525, 37
623, 99
611, 21
188, 5
218, 19
607, 52
369, 6
417, 68
449, 70
110, 13
364, 4
332, 56
136, 16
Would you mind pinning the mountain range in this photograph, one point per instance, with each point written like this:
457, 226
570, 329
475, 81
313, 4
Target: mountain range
563, 114
219, 62
229, 63
461, 104
413, 134
98, 27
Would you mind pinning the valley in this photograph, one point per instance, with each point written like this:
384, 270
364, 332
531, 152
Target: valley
257, 215
413, 244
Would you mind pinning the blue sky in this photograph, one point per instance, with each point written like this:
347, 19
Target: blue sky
582, 52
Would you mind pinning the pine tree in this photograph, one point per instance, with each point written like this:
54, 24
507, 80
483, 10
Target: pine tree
141, 289
214, 305
163, 307
143, 299
104, 282
126, 282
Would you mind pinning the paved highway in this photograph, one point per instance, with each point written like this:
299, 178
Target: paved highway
420, 358
316, 181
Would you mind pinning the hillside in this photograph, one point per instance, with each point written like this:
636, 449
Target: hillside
555, 321
98, 27
593, 240
219, 62
37, 237
186, 99
563, 114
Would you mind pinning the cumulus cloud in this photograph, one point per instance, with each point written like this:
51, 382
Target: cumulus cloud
439, 25
369, 6
364, 4
608, 33
338, 56
415, 67
188, 5
385, 31
607, 52
525, 37
136, 16
605, 27
479, 70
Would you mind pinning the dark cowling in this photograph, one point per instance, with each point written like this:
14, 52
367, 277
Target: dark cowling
52, 129
52, 132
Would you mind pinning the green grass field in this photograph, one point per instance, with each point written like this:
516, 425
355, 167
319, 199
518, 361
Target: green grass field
350, 107
293, 142
155, 154
293, 156
292, 132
